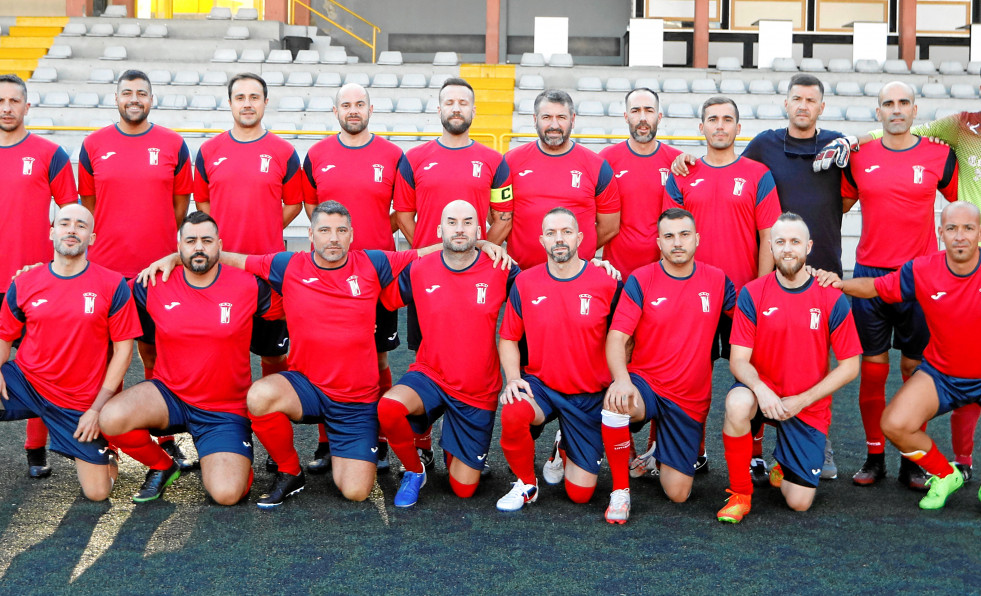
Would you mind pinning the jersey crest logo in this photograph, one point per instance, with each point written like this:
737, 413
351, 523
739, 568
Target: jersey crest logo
770, 311
328, 168
664, 176
108, 155
871, 169
355, 288
478, 166
539, 299
705, 300
918, 174
584, 303
576, 178
431, 165
658, 301
379, 172
815, 318
737, 186
264, 163
89, 302
28, 166
154, 153
226, 312
938, 295
525, 173
481, 293
621, 173
38, 303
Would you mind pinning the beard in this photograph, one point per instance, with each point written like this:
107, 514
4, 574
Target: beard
70, 251
647, 138
198, 267
353, 128
554, 142
456, 127
448, 245
139, 119
561, 258
789, 270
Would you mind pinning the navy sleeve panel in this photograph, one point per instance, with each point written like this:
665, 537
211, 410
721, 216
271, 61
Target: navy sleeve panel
12, 303
746, 305
405, 284
673, 191
514, 297
500, 176
605, 176
199, 167
120, 297
512, 273
838, 313
183, 156
292, 167
58, 162
729, 302
382, 266
405, 170
633, 291
84, 161
277, 270
765, 187
263, 297
949, 168
308, 170
613, 304
907, 282
139, 295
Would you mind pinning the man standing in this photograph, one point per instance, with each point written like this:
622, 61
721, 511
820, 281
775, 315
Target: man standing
556, 172
202, 323
570, 299
249, 181
896, 179
784, 325
458, 289
69, 311
358, 169
135, 177
670, 387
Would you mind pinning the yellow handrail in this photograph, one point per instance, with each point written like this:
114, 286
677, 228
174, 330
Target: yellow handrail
375, 29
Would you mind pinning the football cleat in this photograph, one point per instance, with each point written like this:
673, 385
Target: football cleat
37, 463
872, 471
427, 457
486, 470
776, 476
270, 465
759, 472
702, 464
965, 470
619, 510
912, 476
737, 507
283, 487
829, 471
156, 482
644, 464
382, 453
320, 464
519, 494
554, 469
940, 489
174, 451
408, 493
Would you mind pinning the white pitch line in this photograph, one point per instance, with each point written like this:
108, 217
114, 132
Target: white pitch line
377, 497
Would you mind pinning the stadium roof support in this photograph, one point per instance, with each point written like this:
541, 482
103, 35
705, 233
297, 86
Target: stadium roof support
907, 31
700, 44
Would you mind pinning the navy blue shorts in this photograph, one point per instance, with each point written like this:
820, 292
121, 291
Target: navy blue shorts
678, 435
580, 421
386, 329
212, 432
25, 402
952, 392
881, 326
466, 430
269, 338
352, 427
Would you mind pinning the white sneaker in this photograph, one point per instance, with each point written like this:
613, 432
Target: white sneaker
519, 494
554, 469
619, 510
644, 463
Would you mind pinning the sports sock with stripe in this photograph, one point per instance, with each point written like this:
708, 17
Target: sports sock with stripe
871, 402
516, 441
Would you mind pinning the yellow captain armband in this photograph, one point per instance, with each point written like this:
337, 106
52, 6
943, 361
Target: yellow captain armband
501, 195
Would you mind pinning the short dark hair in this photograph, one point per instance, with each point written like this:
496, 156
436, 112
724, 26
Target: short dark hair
329, 208
251, 76
16, 80
555, 96
456, 82
196, 217
657, 98
791, 217
719, 100
675, 213
561, 211
805, 80
135, 75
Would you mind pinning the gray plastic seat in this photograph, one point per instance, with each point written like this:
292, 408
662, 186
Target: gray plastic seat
33, 97
674, 86
115, 11
385, 80
784, 65
895, 67
616, 108
101, 76
974, 68
203, 102
762, 87
74, 30
951, 67
934, 91
812, 65
279, 57
413, 80
532, 59
128, 30
923, 67
333, 55
618, 85
560, 61
155, 31
389, 58
273, 78
688, 132
409, 105
770, 111
840, 65
531, 82
360, 78
237, 32
85, 99
309, 125
832, 113
872, 88
246, 14
328, 79
225, 55
729, 63
860, 114
307, 57
40, 122
291, 103
446, 59
109, 101
680, 110
945, 113
589, 84
214, 78
186, 77
868, 66
437, 80
704, 86
783, 86
591, 108
526, 106
55, 99
220, 13
320, 103
746, 111
113, 53
382, 105
404, 127
252, 56
160, 77
173, 102
44, 74
299, 78
432, 105
963, 91
848, 88
647, 83
101, 30
592, 130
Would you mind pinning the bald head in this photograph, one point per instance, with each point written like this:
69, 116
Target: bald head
960, 210
352, 106
459, 227
896, 88
960, 231
75, 211
71, 231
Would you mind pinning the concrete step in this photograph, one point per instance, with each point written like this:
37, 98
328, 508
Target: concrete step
42, 21
26, 42
31, 31
18, 65
22, 53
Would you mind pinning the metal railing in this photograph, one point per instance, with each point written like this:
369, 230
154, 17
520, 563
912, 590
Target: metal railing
375, 30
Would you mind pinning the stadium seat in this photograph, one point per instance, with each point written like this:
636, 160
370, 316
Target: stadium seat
40, 122
352, 60
307, 57
409, 105
383, 105
746, 111
762, 87
784, 65
704, 86
616, 108
33, 97
101, 30
385, 80
413, 80
237, 32
203, 102
532, 59
333, 55
647, 83
974, 68
226, 55
729, 63
328, 79
618, 85
113, 53
446, 59
591, 108
55, 99
963, 91
361, 78
186, 77
832, 113
44, 74
155, 31
951, 67
128, 30
278, 57
872, 88
274, 78
923, 67
193, 124
59, 52
770, 111
291, 103
252, 56
246, 14
526, 106
934, 91
284, 129
85, 99
160, 77
404, 127
783, 86
592, 130
101, 76
848, 88
436, 81
431, 128
895, 67
320, 103
687, 132
812, 65
220, 13
109, 101
74, 30
531, 82
674, 86
115, 11
868, 66
214, 78
526, 130
840, 65
309, 125
680, 110
432, 105
389, 58
299, 78
589, 84
560, 61
859, 114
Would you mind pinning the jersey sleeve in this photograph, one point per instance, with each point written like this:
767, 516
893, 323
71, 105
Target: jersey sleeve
271, 268
86, 175
124, 323
501, 194
139, 300
948, 182
898, 286
672, 195
849, 189
11, 316
265, 306
404, 198
945, 129
201, 194
629, 308
61, 180
844, 335
729, 299
183, 179
513, 325
767, 202
744, 321
400, 294
292, 184
607, 191
308, 182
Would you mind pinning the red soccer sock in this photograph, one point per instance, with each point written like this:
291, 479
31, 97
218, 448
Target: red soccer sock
138, 445
384, 380
464, 491
37, 434
757, 442
739, 452
275, 432
871, 402
616, 443
394, 422
516, 441
652, 437
164, 439
322, 430
579, 494
425, 440
963, 423
274, 367
932, 461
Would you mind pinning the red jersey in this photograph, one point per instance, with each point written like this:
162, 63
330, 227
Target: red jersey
579, 180
70, 322
331, 316
790, 333
432, 175
360, 178
34, 171
656, 306
565, 322
134, 179
951, 305
641, 180
247, 184
897, 191
203, 336
731, 204
458, 319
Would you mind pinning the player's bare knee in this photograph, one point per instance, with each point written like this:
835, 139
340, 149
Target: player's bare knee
227, 495
355, 493
112, 420
97, 492
261, 398
800, 502
740, 405
677, 493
